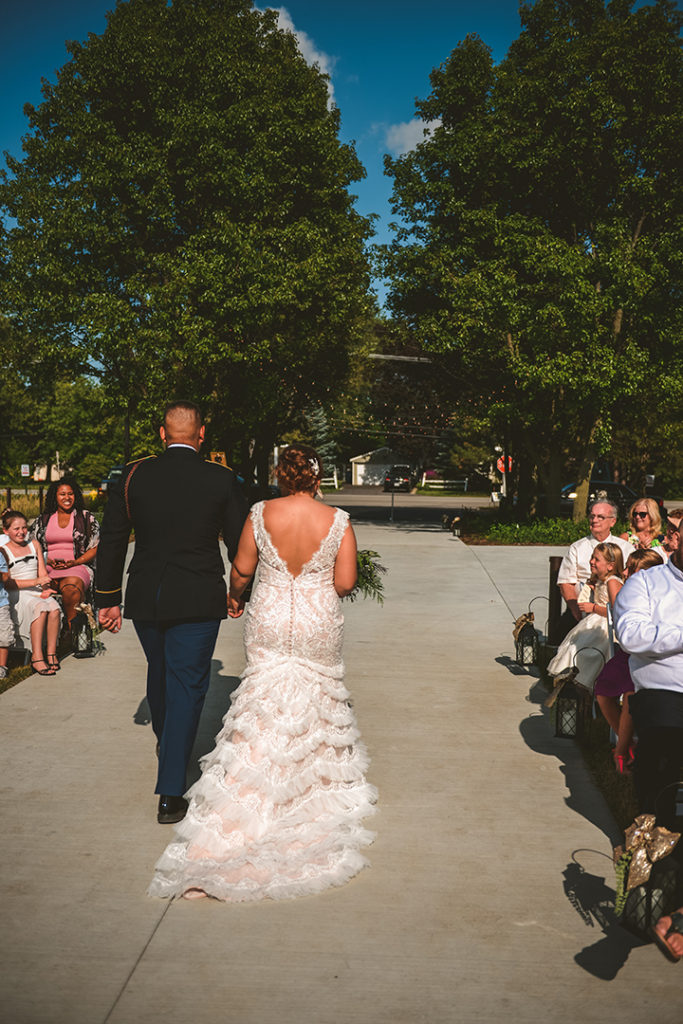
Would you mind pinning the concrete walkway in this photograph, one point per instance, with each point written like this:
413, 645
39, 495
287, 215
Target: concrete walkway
488, 896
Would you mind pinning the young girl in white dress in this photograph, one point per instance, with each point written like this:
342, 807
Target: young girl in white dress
587, 645
34, 611
277, 811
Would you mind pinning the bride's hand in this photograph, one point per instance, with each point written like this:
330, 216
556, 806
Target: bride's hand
235, 607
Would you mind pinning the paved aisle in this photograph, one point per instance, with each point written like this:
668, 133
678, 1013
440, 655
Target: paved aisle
486, 823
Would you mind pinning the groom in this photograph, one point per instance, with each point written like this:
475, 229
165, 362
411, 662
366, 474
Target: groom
177, 504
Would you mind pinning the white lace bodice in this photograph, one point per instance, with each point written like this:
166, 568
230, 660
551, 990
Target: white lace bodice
295, 616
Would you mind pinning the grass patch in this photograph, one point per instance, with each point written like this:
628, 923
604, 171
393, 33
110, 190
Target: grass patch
437, 492
14, 676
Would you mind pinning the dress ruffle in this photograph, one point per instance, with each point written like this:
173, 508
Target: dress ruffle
277, 810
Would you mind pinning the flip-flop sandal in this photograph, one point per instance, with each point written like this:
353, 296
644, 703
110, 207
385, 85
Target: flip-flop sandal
676, 928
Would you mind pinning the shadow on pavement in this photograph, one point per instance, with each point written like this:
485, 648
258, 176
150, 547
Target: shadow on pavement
216, 705
511, 665
584, 798
215, 708
593, 900
587, 890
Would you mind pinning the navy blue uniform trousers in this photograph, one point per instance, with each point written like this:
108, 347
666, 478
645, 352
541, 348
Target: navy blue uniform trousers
178, 673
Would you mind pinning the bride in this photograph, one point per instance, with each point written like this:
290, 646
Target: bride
277, 811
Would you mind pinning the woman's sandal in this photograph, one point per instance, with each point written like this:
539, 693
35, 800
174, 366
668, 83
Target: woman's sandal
53, 662
49, 671
676, 928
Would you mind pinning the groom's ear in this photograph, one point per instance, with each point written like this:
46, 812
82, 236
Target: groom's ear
162, 435
201, 434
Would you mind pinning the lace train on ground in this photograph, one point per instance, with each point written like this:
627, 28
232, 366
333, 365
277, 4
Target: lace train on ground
277, 810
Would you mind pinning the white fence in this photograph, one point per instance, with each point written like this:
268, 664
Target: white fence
330, 481
444, 485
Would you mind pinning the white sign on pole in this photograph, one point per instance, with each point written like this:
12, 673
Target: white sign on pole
25, 469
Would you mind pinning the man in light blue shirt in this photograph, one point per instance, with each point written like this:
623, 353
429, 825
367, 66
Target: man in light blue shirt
648, 619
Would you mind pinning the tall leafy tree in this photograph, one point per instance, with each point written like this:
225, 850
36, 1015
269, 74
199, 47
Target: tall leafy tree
180, 222
540, 250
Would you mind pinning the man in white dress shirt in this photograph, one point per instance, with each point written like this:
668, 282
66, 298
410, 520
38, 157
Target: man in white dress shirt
648, 618
575, 567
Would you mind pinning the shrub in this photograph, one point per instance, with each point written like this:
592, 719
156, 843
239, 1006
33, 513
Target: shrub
541, 531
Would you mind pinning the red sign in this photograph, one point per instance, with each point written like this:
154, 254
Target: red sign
501, 464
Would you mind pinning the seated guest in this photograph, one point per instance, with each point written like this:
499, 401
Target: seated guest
6, 627
673, 523
35, 613
575, 568
646, 525
68, 534
614, 684
586, 646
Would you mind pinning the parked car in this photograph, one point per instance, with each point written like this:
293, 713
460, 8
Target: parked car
619, 494
398, 478
112, 477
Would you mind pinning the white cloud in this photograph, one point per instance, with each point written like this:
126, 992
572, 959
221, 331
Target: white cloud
311, 54
402, 137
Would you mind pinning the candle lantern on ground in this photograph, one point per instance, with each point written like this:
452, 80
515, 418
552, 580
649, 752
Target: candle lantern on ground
526, 644
568, 717
526, 637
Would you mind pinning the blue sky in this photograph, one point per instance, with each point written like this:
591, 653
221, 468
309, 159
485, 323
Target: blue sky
378, 52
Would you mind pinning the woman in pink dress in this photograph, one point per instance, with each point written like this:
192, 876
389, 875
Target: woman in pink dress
68, 534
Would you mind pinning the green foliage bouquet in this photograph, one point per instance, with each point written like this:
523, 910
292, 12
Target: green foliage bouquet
370, 572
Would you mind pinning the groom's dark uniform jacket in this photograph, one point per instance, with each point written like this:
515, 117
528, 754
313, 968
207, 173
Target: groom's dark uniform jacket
177, 504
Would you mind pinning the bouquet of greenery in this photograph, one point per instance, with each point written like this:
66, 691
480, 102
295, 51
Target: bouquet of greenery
370, 572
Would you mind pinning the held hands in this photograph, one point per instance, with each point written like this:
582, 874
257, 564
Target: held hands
589, 606
110, 618
235, 606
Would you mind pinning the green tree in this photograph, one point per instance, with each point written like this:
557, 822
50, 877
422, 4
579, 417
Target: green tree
181, 223
541, 245
322, 438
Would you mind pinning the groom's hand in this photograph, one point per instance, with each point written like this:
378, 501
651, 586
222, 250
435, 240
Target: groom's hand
110, 618
235, 606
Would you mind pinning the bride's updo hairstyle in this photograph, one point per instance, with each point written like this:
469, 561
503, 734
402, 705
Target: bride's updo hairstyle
299, 469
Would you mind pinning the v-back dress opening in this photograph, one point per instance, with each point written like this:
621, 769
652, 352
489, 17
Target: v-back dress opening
278, 809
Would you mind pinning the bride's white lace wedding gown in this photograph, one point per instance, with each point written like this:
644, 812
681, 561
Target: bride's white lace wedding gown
277, 811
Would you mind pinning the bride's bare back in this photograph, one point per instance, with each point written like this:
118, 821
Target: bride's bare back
297, 526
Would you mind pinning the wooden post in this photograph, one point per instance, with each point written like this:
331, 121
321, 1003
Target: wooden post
554, 600
8, 497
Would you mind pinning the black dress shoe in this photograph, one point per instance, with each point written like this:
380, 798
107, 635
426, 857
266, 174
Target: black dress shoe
171, 809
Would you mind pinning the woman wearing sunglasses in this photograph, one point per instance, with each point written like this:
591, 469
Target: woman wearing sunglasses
646, 526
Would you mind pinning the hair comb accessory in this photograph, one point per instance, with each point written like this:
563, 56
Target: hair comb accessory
315, 465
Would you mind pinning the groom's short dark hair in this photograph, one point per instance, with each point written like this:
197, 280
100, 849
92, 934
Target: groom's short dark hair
187, 410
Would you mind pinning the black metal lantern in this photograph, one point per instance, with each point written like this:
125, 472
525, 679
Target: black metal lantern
568, 718
526, 644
